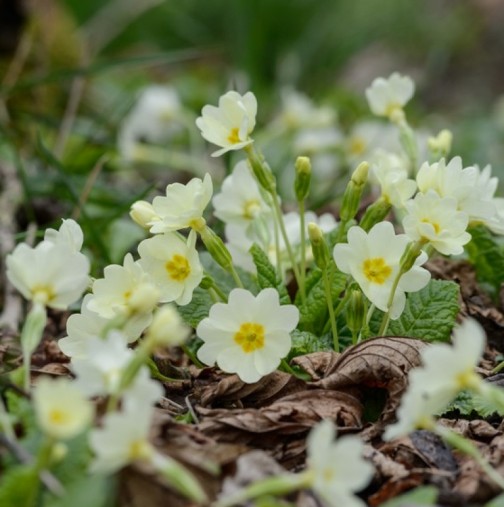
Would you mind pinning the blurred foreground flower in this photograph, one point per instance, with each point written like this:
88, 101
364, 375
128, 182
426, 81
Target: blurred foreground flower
230, 124
62, 410
249, 335
337, 469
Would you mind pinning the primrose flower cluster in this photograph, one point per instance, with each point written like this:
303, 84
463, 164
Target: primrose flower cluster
277, 267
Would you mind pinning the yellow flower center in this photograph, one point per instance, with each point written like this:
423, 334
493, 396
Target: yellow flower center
436, 226
178, 268
468, 380
58, 417
234, 137
250, 336
43, 294
251, 208
139, 450
376, 270
357, 145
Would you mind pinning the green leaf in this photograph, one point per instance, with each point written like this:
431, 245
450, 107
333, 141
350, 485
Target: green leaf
487, 255
314, 314
304, 342
19, 486
85, 490
423, 495
197, 309
266, 274
429, 314
463, 404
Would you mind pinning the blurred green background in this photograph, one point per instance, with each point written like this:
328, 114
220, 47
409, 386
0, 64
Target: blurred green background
70, 71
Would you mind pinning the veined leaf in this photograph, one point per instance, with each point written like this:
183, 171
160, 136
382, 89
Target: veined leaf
266, 274
429, 313
487, 255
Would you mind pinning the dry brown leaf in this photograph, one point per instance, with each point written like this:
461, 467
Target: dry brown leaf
380, 363
317, 364
282, 426
231, 390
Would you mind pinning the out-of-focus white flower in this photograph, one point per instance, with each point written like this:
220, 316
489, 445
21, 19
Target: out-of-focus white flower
122, 439
69, 233
446, 370
62, 410
373, 260
229, 125
298, 111
337, 468
367, 137
436, 220
124, 291
182, 206
240, 201
153, 119
316, 140
99, 373
168, 328
173, 265
472, 188
395, 186
87, 324
142, 394
53, 273
387, 97
249, 335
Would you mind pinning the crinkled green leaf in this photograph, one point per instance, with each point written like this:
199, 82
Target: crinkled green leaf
314, 314
423, 495
463, 404
197, 309
429, 313
266, 274
487, 255
19, 487
304, 342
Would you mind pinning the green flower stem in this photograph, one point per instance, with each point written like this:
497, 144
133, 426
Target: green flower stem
31, 335
408, 142
236, 277
408, 258
6, 423
332, 318
192, 356
179, 478
276, 485
467, 447
302, 273
283, 231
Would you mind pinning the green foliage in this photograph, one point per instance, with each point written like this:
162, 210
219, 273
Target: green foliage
304, 342
487, 255
266, 274
84, 491
314, 314
19, 487
423, 495
463, 404
429, 314
197, 309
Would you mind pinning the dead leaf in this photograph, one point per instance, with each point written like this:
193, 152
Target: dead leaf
231, 390
380, 363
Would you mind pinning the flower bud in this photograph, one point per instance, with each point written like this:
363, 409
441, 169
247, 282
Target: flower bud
356, 312
144, 298
303, 178
375, 213
167, 327
353, 192
142, 212
216, 248
262, 172
413, 250
441, 145
319, 246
